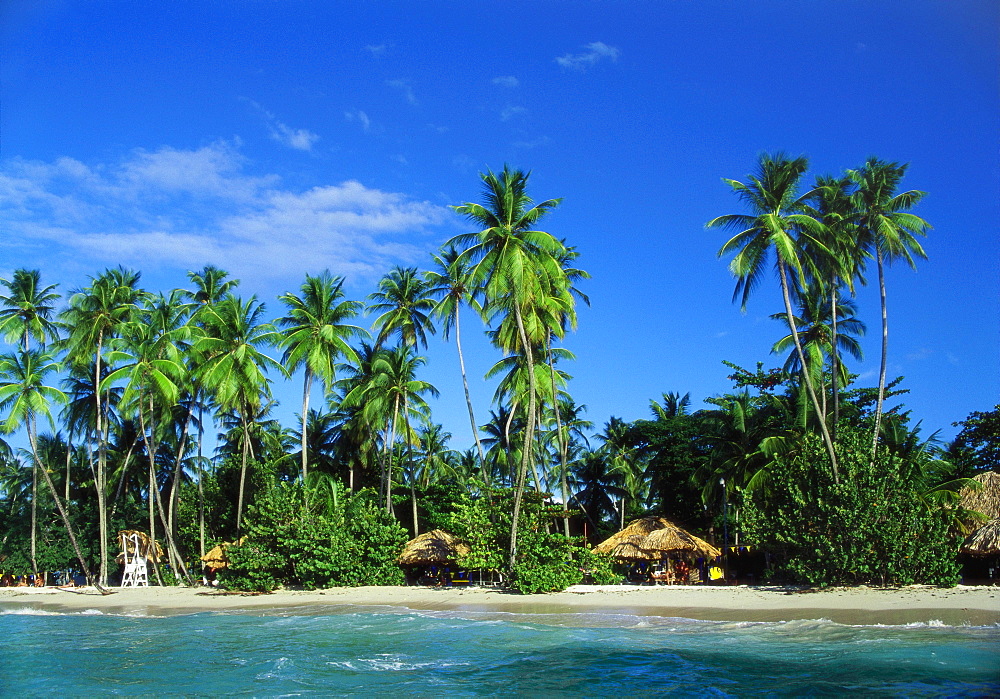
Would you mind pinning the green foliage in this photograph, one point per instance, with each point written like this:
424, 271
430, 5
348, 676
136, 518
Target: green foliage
597, 568
546, 562
324, 544
977, 446
872, 528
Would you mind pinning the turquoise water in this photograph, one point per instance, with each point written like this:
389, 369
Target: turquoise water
378, 651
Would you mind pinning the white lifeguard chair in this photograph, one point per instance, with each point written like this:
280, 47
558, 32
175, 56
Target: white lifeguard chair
136, 574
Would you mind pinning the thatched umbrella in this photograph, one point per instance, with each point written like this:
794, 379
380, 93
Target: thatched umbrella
985, 541
435, 546
673, 538
217, 558
639, 528
630, 550
984, 499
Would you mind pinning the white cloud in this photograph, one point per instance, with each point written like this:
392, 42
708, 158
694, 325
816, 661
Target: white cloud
404, 89
506, 81
299, 139
360, 117
595, 52
509, 113
375, 49
182, 209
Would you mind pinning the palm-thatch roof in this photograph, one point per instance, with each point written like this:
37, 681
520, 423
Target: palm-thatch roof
145, 548
435, 546
639, 528
649, 537
217, 558
986, 498
674, 538
985, 541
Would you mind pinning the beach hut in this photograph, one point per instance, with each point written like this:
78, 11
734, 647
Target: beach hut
985, 541
640, 528
673, 539
430, 556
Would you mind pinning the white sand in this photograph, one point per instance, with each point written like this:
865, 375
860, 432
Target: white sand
859, 605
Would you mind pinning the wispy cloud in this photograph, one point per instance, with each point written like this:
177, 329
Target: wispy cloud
299, 139
595, 51
174, 208
405, 89
534, 143
509, 113
506, 81
360, 117
375, 49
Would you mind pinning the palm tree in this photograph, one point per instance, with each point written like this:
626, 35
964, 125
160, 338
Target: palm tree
93, 316
234, 367
513, 264
886, 229
404, 306
452, 283
316, 335
151, 364
25, 396
776, 223
27, 310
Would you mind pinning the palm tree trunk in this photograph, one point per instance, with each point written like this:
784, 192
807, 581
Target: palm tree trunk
528, 436
805, 372
388, 462
201, 477
69, 461
468, 401
563, 440
243, 476
34, 514
174, 490
175, 557
101, 466
305, 413
835, 361
885, 351
65, 518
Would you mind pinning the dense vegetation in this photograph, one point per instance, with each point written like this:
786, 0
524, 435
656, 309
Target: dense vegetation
115, 388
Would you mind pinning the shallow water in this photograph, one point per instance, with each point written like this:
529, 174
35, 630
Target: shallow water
378, 651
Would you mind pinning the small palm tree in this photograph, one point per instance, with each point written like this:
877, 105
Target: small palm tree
27, 310
404, 307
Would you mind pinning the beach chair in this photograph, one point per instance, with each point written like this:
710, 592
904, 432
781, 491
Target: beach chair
135, 574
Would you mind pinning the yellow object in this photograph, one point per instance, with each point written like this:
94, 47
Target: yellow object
715, 573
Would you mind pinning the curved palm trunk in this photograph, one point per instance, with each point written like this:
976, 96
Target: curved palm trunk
65, 518
175, 558
34, 514
388, 462
174, 491
305, 413
522, 470
468, 401
805, 371
835, 361
885, 351
243, 476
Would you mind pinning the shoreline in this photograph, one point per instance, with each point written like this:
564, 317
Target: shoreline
973, 606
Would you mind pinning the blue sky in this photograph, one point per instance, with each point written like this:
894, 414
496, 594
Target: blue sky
278, 138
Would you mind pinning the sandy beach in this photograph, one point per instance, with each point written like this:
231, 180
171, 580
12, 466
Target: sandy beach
863, 605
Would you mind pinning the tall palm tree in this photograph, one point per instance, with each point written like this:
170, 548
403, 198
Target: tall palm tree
233, 371
316, 335
887, 230
94, 315
514, 264
777, 223
451, 281
27, 310
25, 396
404, 307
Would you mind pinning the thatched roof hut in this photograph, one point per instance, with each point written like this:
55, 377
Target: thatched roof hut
984, 499
649, 537
673, 538
640, 528
145, 548
985, 541
435, 546
217, 558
